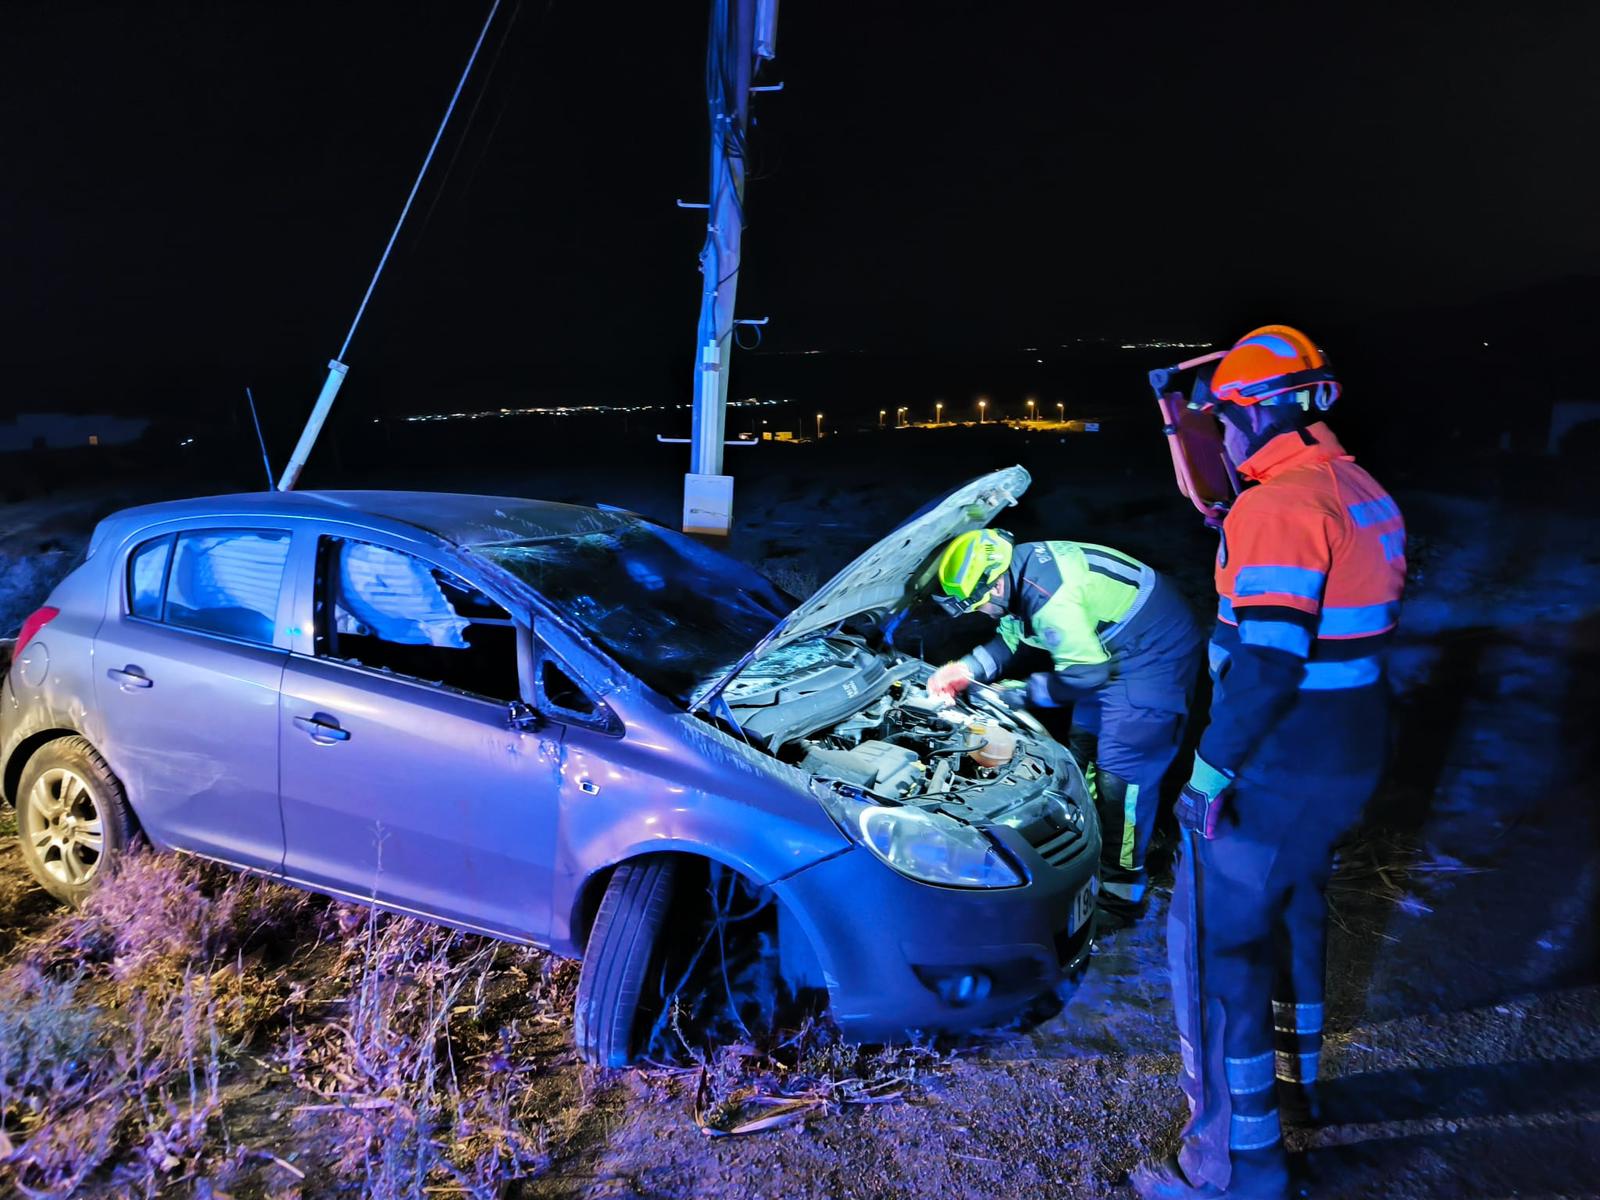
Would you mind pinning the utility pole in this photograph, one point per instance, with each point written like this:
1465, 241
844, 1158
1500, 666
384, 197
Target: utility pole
743, 32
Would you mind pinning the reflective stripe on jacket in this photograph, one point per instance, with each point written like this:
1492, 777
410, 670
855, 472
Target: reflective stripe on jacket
1070, 599
1309, 578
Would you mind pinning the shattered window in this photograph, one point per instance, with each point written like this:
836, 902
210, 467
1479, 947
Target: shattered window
561, 691
227, 582
665, 607
387, 609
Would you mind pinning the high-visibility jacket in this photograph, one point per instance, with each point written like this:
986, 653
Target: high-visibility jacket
1309, 577
1072, 600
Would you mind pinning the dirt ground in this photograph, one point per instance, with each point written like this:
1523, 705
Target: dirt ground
1464, 990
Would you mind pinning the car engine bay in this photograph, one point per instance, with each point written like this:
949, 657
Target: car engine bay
860, 720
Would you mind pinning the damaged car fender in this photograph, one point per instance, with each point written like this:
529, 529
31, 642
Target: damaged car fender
675, 784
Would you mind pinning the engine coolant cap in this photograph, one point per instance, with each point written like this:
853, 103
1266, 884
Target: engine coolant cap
998, 745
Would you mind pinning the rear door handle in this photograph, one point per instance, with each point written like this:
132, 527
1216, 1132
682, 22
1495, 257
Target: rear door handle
130, 677
322, 728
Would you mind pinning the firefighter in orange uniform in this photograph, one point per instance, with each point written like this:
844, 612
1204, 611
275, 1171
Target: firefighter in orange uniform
1309, 577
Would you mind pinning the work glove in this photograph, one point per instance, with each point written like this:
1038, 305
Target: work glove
1039, 693
1200, 803
949, 679
1013, 694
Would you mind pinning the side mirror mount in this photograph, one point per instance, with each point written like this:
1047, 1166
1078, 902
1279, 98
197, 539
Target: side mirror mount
522, 715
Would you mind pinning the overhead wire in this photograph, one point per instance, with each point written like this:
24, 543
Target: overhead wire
471, 118
416, 184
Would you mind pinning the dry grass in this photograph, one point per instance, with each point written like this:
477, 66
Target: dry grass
424, 1069
198, 1031
1376, 866
117, 1024
402, 1057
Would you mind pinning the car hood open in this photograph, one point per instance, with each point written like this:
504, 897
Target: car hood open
888, 576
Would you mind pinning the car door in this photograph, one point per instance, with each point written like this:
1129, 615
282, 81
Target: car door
405, 778
187, 667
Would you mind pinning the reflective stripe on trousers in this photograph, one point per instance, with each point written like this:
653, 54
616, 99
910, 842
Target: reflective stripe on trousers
1296, 1018
1297, 1034
1253, 1116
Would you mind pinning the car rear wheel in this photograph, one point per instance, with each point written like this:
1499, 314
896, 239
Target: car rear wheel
624, 947
72, 818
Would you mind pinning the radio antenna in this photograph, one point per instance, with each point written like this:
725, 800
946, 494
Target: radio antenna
255, 420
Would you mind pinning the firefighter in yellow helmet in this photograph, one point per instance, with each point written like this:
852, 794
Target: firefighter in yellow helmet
1126, 653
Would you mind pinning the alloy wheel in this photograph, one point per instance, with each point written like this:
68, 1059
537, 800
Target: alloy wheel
63, 825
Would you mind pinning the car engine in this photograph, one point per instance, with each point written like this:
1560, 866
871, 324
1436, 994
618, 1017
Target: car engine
861, 720
905, 747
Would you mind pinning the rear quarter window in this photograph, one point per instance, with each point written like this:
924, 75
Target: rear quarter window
147, 577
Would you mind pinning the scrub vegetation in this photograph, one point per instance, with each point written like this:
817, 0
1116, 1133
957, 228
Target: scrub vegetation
198, 1033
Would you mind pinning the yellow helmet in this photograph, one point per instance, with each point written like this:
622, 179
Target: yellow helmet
968, 568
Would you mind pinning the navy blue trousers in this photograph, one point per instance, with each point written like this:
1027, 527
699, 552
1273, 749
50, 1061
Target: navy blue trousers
1129, 731
1247, 933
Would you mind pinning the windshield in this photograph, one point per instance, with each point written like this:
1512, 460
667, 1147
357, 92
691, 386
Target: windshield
665, 607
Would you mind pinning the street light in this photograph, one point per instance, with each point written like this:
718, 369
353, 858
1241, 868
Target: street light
819, 427
900, 416
1061, 412
1030, 408
982, 406
938, 412
882, 412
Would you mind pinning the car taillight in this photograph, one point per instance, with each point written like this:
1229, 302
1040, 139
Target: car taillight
31, 626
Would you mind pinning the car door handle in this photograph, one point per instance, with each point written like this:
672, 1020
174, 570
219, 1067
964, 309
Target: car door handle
322, 730
130, 677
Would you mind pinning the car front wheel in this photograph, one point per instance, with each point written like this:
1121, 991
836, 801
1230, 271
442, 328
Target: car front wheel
624, 945
72, 818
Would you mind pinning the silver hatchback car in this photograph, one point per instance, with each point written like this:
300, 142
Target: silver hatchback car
537, 721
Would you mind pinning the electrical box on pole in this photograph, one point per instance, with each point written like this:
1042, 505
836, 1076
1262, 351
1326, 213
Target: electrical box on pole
742, 31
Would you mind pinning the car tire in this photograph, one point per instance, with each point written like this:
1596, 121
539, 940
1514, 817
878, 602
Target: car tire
73, 818
624, 944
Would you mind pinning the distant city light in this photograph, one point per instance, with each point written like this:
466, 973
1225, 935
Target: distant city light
569, 410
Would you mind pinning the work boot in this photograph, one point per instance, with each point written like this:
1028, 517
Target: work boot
1163, 1179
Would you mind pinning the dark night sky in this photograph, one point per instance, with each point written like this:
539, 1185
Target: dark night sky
202, 189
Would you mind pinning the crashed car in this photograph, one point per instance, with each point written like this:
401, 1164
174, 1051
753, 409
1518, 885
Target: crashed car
537, 721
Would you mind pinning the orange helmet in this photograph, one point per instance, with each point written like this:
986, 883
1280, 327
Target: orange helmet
1275, 365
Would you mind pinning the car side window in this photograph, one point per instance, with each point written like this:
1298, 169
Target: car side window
147, 577
560, 697
223, 581
387, 609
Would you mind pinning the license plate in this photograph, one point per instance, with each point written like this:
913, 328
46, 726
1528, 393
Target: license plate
1083, 905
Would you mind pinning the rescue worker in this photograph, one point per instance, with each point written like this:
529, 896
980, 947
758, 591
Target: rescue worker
1309, 576
1126, 652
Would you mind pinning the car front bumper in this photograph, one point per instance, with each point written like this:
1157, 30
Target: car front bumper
897, 955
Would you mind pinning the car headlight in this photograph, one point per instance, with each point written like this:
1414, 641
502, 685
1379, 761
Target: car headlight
926, 846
